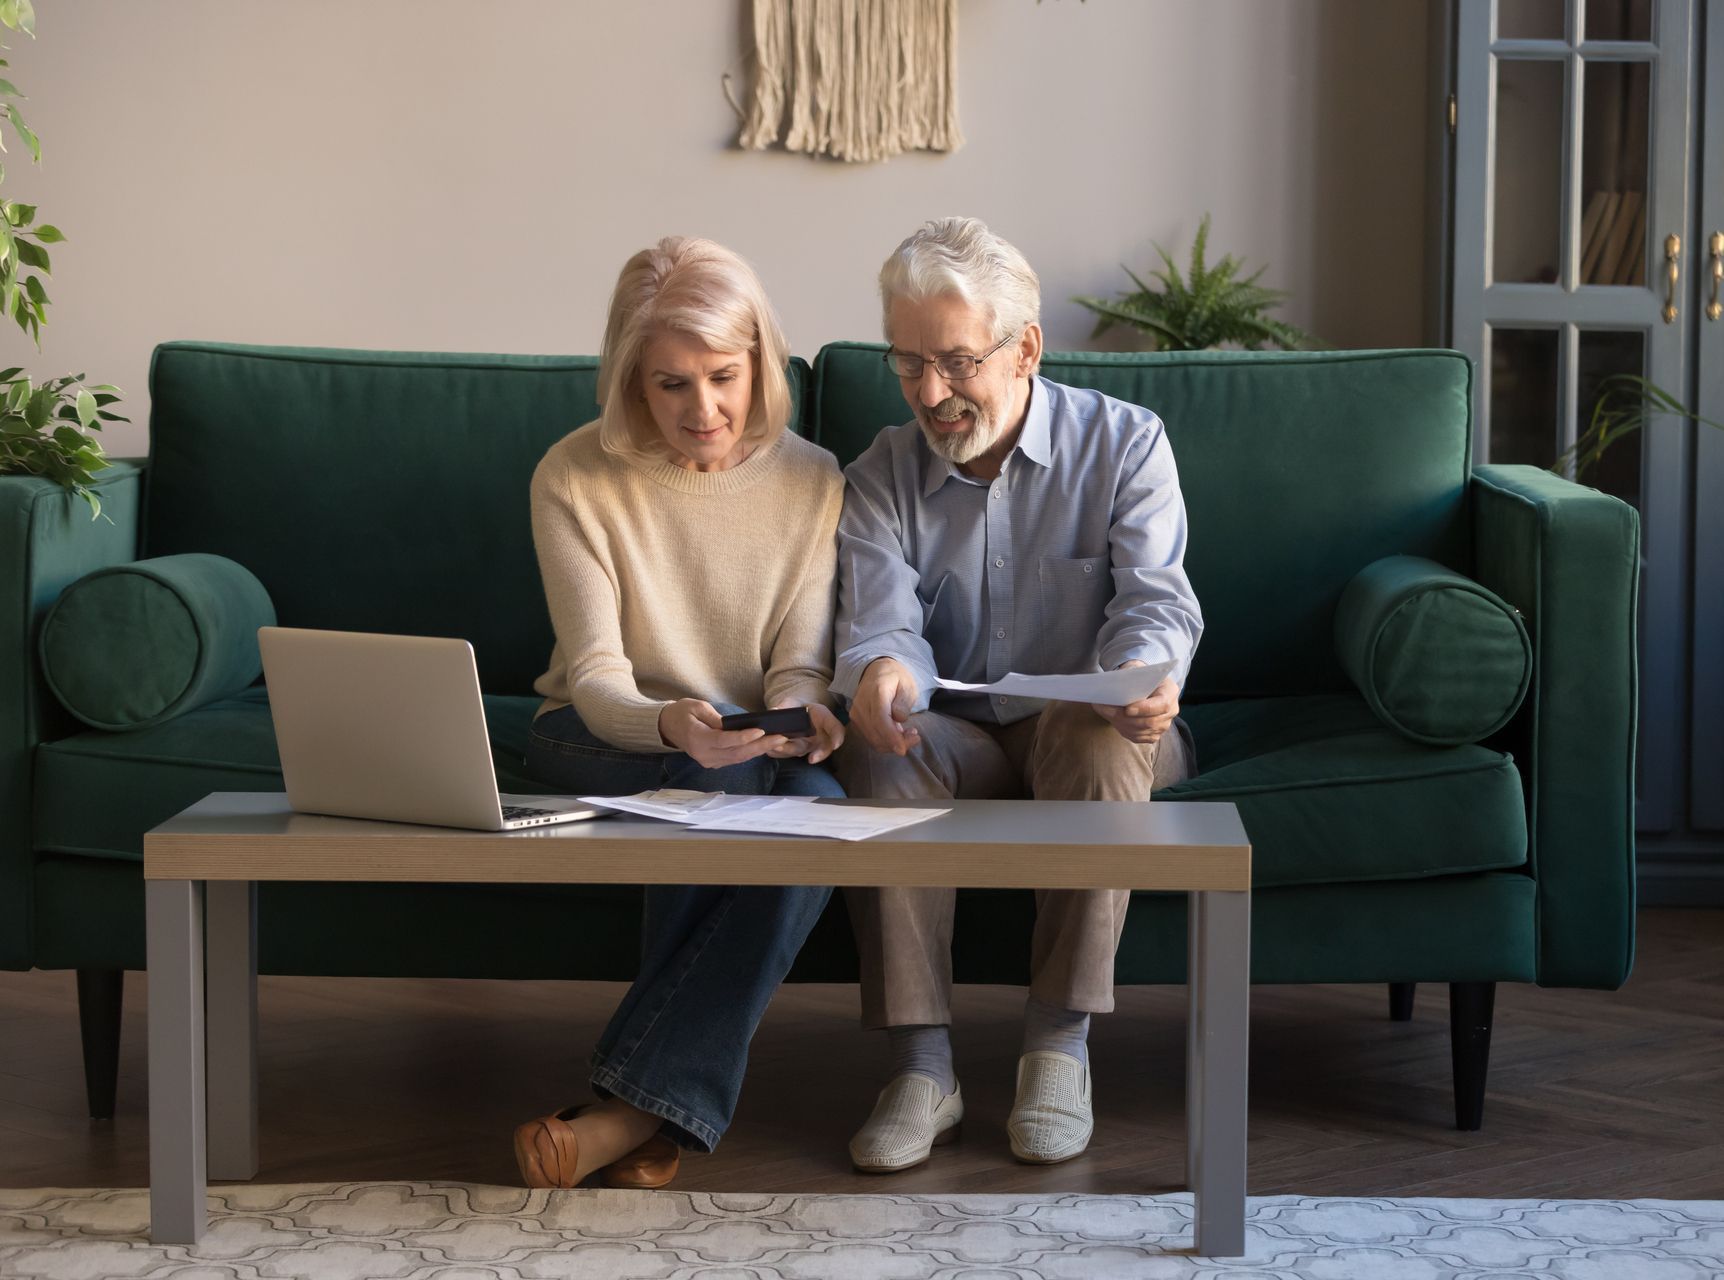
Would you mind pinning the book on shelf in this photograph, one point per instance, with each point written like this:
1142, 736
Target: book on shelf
1631, 267
1589, 224
1613, 238
1618, 245
1605, 203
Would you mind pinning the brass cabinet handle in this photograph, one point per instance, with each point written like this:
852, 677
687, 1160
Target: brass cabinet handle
1673, 257
1714, 308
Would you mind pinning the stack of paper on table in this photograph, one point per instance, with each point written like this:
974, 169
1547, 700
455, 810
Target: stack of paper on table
773, 815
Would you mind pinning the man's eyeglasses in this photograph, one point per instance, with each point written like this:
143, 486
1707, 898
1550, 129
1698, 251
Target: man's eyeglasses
953, 368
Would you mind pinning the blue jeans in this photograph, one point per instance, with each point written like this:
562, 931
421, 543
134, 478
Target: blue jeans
711, 955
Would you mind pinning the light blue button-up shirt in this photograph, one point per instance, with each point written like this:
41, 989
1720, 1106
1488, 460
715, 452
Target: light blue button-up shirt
1071, 560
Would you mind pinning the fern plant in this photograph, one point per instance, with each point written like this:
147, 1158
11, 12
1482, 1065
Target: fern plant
1209, 306
1626, 403
44, 428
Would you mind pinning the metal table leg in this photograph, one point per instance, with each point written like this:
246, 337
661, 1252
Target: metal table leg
1217, 1068
174, 923
230, 1004
1194, 976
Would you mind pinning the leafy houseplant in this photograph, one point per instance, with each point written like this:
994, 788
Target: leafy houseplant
1207, 307
1626, 403
44, 430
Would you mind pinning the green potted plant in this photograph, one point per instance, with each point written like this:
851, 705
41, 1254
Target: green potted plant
44, 429
1209, 306
1626, 402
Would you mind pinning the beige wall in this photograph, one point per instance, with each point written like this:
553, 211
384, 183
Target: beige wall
441, 175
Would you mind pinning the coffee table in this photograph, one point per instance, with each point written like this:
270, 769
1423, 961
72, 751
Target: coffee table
201, 871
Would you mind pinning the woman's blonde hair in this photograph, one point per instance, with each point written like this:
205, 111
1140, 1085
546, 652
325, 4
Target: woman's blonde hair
695, 287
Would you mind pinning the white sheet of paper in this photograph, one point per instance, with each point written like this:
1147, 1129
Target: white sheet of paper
772, 815
830, 821
676, 805
1110, 688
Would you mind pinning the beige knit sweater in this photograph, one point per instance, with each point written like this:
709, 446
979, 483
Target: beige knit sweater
666, 583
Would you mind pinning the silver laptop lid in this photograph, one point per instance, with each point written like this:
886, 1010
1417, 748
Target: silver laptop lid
378, 726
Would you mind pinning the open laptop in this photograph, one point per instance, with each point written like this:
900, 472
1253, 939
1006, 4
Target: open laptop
391, 727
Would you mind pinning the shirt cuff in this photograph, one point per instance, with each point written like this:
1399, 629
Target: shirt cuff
850, 668
1119, 653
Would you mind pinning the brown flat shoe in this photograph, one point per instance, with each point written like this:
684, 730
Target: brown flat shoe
546, 1150
652, 1164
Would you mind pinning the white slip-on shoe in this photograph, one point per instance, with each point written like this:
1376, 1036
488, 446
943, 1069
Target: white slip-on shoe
911, 1118
1051, 1118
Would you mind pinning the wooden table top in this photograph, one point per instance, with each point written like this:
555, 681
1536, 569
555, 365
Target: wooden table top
1039, 844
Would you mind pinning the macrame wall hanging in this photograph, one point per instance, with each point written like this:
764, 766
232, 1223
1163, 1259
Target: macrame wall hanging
857, 80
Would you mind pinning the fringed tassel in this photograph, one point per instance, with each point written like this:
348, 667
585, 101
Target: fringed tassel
863, 80
772, 74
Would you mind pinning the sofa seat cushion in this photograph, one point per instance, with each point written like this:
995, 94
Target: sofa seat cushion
97, 792
1328, 794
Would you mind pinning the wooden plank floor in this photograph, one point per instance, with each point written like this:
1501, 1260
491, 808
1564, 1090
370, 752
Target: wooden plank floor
1592, 1094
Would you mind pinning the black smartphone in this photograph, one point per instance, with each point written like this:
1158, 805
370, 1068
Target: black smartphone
792, 722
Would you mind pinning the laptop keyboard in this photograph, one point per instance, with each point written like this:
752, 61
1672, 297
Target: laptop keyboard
512, 812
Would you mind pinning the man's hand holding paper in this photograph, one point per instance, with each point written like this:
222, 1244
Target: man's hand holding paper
1132, 682
1146, 719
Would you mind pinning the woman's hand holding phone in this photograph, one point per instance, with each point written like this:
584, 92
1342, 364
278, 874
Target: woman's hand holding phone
827, 737
695, 728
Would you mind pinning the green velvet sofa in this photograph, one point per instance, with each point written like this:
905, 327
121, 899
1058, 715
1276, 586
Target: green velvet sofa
387, 491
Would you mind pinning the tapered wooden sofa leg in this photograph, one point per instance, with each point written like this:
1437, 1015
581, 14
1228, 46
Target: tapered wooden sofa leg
1401, 1001
1470, 1006
101, 995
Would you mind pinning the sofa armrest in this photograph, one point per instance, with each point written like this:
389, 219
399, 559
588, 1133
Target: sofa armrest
1569, 558
47, 542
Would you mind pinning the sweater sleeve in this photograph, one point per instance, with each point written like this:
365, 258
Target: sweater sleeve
581, 593
800, 670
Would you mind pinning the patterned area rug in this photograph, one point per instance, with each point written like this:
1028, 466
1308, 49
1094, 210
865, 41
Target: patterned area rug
457, 1231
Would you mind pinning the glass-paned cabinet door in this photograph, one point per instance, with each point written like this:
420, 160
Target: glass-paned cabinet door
1615, 135
1524, 390
1526, 211
1706, 768
1604, 355
1619, 20
1574, 122
1532, 20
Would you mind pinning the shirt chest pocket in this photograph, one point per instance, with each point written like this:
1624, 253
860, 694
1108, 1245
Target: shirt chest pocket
1074, 596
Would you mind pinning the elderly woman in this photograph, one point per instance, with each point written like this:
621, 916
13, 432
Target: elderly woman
687, 545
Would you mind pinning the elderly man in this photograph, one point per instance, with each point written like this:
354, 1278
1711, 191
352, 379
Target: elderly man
1015, 525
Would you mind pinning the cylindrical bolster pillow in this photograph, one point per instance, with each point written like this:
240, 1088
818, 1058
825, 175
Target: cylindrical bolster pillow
1439, 658
137, 644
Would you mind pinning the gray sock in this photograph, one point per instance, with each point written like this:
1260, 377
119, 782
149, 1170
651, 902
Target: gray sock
925, 1050
1051, 1027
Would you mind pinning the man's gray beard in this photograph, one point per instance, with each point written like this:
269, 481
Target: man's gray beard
972, 444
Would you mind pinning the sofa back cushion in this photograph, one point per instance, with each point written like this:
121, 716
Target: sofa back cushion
370, 490
1298, 469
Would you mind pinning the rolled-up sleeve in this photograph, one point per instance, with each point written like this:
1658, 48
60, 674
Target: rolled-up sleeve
1154, 615
879, 612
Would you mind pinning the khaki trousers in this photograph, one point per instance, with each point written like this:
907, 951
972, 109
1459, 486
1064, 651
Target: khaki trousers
1068, 752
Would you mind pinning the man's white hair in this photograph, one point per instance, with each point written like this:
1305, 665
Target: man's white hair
961, 256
